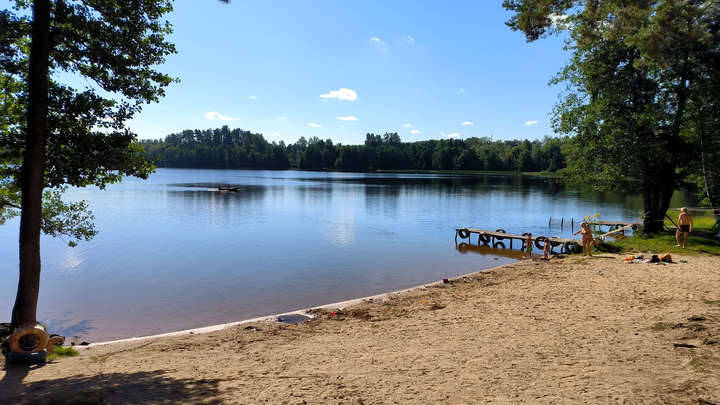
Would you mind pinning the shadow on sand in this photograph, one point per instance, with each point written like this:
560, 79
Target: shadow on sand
108, 388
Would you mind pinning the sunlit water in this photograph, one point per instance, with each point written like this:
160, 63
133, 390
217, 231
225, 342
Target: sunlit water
173, 253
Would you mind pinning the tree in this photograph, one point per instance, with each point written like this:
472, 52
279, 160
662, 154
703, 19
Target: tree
71, 137
631, 82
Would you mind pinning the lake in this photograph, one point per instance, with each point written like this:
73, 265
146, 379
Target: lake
174, 253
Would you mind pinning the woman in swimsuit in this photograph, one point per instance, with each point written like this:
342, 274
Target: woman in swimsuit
587, 238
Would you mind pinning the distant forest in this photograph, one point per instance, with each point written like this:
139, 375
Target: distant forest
226, 148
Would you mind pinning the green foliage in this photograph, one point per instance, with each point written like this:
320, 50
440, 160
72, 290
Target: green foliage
229, 149
221, 148
641, 97
116, 45
53, 135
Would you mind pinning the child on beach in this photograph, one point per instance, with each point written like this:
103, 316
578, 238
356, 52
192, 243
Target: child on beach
546, 249
528, 247
587, 238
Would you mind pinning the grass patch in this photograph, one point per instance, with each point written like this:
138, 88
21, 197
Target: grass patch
608, 247
62, 352
665, 243
661, 326
699, 223
705, 362
712, 302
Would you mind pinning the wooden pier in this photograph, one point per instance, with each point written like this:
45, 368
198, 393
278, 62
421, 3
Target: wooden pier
614, 224
499, 238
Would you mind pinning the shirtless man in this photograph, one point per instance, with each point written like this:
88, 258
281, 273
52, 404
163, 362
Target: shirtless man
685, 224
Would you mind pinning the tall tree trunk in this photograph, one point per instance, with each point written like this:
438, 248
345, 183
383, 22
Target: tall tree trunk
658, 189
33, 167
703, 161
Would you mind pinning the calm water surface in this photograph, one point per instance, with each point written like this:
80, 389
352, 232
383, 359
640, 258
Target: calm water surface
174, 253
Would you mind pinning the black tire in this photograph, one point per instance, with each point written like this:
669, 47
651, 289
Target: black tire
572, 247
540, 242
484, 238
554, 243
499, 244
26, 358
464, 233
501, 231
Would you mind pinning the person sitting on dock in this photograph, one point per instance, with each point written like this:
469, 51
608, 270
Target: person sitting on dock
528, 247
685, 224
587, 238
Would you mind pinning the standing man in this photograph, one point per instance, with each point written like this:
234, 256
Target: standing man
685, 224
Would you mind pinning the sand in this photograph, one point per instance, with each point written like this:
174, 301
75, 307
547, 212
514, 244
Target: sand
569, 330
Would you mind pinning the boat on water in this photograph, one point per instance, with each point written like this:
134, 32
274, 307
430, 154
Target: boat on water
227, 188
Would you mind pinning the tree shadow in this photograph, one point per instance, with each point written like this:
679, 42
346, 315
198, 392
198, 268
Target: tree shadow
152, 387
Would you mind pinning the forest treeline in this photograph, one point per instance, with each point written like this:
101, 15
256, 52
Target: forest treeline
226, 148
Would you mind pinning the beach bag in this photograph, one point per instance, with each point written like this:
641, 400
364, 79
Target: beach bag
666, 258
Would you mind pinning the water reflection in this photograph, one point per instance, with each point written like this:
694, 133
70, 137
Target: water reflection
68, 327
487, 250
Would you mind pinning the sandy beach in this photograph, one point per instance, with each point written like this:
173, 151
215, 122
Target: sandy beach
569, 330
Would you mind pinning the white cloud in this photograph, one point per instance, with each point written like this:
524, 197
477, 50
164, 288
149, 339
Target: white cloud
282, 118
214, 115
467, 123
348, 118
380, 43
342, 94
314, 125
275, 134
404, 39
414, 132
528, 123
407, 126
461, 90
560, 21
252, 98
453, 135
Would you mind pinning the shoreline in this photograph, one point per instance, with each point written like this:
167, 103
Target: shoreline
596, 330
272, 318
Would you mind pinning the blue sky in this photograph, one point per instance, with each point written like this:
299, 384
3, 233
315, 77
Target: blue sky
341, 69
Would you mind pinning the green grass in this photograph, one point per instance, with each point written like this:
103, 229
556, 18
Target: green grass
61, 352
665, 243
699, 223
